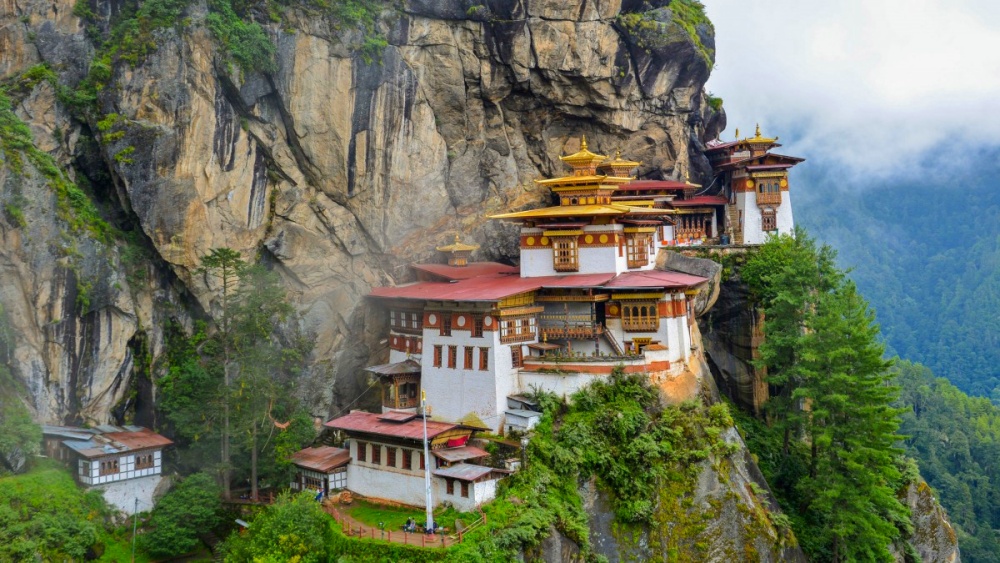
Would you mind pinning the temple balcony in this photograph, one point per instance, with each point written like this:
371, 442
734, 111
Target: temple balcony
566, 326
769, 198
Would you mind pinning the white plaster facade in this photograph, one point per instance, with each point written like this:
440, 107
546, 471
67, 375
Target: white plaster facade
133, 494
753, 233
537, 261
89, 470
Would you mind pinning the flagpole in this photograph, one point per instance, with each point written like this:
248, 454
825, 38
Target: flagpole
427, 462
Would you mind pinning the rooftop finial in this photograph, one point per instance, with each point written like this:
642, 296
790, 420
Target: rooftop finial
757, 134
737, 133
456, 238
618, 155
583, 143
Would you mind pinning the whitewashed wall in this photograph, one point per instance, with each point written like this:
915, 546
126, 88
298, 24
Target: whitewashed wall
126, 469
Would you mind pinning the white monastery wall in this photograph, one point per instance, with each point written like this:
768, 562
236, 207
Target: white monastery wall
89, 471
454, 392
124, 494
783, 216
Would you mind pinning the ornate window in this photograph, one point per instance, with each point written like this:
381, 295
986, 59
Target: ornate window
109, 467
406, 321
565, 254
453, 357
437, 355
768, 220
637, 250
468, 357
446, 324
144, 461
517, 329
516, 356
640, 316
484, 359
477, 326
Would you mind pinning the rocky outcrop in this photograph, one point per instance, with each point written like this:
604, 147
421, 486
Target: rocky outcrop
933, 537
729, 514
731, 332
335, 169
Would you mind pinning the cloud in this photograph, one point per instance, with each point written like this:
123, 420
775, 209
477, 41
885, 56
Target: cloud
877, 88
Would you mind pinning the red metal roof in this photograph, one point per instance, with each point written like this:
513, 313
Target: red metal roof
474, 269
371, 423
654, 278
700, 200
486, 288
398, 416
651, 185
141, 439
323, 459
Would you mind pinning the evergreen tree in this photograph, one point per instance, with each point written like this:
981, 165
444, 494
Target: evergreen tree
830, 402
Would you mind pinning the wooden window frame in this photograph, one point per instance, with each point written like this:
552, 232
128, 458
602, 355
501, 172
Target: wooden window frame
517, 329
477, 326
768, 220
484, 359
465, 489
377, 454
453, 357
565, 254
637, 250
144, 461
407, 459
390, 457
437, 355
468, 353
516, 356
640, 316
449, 486
423, 462
445, 324
362, 451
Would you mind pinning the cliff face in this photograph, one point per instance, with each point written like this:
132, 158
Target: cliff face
335, 170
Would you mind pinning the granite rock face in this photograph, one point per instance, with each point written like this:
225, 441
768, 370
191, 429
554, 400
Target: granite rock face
336, 170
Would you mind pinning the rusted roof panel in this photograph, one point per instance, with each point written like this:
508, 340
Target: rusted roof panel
464, 472
323, 459
142, 439
452, 455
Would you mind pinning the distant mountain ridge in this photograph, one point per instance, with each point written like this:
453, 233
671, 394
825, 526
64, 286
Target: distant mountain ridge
927, 256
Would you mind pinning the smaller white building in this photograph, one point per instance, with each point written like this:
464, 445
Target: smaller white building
387, 460
124, 462
322, 469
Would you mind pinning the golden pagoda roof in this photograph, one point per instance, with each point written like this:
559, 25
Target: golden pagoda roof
583, 157
758, 139
597, 210
458, 247
619, 161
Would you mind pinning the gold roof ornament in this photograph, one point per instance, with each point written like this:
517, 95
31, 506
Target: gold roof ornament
620, 168
737, 133
458, 247
583, 158
759, 139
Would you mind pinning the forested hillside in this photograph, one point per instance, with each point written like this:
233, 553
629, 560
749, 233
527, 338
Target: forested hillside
956, 440
927, 256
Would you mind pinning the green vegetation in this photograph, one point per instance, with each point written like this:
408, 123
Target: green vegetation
74, 206
829, 448
927, 254
956, 440
189, 509
294, 528
232, 385
394, 517
650, 30
714, 102
245, 41
45, 516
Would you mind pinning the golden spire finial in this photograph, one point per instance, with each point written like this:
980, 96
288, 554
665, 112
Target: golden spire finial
757, 134
737, 133
583, 143
618, 155
456, 238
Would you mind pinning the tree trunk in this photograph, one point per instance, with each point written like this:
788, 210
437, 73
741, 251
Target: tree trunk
253, 462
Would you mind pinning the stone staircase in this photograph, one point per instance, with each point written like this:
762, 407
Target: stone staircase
733, 219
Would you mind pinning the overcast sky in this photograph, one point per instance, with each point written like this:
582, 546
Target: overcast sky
881, 84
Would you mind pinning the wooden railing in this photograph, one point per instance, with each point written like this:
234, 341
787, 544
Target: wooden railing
769, 198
